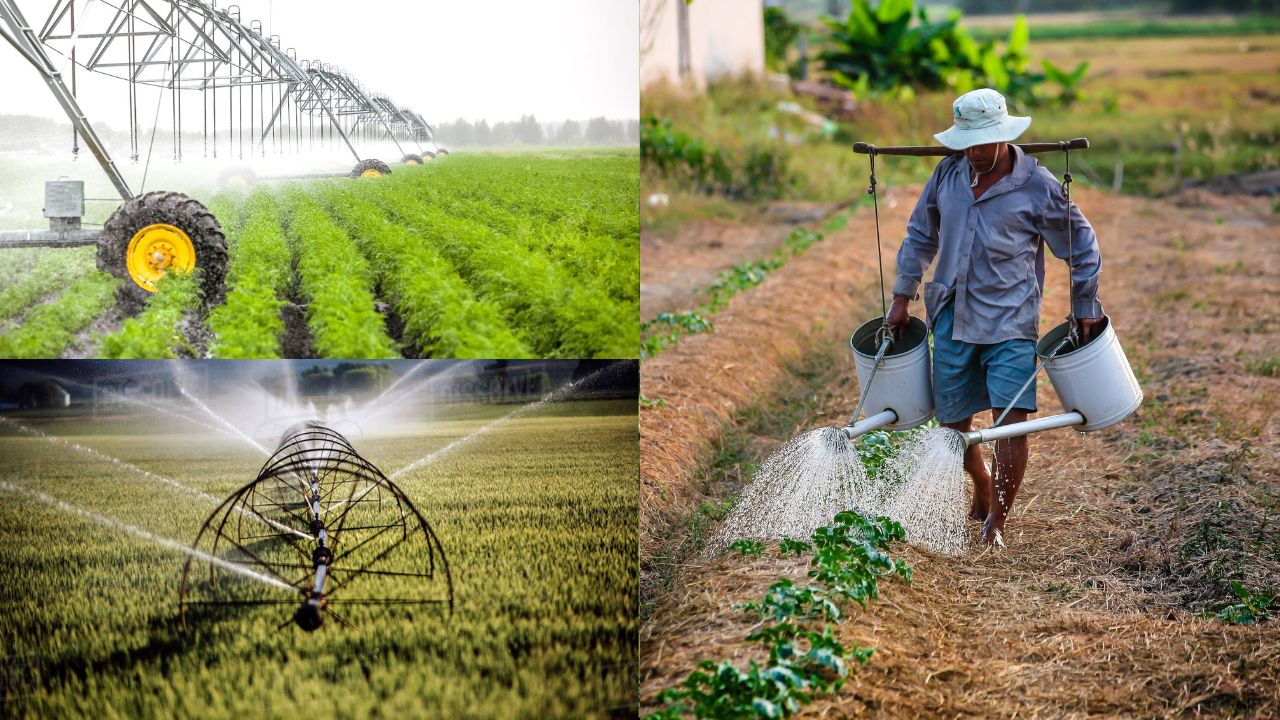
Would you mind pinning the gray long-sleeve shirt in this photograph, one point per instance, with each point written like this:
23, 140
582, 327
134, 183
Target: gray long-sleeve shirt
989, 250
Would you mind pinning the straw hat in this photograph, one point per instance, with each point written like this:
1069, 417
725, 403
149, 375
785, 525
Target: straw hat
981, 117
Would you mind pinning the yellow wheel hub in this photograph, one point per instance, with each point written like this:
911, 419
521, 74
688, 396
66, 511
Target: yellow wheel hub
371, 172
156, 249
411, 161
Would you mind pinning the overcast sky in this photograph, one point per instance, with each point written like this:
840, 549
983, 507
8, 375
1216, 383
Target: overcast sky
492, 59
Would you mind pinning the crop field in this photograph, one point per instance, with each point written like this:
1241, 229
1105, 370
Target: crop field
1140, 572
537, 521
477, 256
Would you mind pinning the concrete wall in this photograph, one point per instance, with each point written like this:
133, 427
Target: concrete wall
724, 37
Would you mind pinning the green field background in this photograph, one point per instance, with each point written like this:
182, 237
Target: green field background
537, 518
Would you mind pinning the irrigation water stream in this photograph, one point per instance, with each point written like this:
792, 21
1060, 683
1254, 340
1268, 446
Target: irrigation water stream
817, 474
141, 534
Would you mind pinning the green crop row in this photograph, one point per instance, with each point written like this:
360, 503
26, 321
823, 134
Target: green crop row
259, 271
667, 328
337, 284
598, 197
159, 331
15, 263
795, 624
52, 271
556, 315
48, 329
442, 316
590, 258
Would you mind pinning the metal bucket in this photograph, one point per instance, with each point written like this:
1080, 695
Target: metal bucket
1095, 380
902, 382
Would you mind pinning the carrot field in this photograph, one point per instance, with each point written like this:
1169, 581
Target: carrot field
472, 257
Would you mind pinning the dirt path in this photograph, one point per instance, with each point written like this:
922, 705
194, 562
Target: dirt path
676, 266
1120, 541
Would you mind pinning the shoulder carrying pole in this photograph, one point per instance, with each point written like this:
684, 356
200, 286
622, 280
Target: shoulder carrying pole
940, 151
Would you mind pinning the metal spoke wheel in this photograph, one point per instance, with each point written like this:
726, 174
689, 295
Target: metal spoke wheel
321, 532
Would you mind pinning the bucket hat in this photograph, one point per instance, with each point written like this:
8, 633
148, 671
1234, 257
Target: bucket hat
981, 117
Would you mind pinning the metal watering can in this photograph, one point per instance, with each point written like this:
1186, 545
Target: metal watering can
1094, 382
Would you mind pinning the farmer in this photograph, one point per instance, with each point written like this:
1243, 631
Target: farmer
984, 215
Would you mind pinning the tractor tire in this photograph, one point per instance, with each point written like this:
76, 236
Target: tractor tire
370, 168
237, 177
159, 209
411, 159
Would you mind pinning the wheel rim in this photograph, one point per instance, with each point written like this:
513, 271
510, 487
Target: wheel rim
371, 173
412, 161
157, 249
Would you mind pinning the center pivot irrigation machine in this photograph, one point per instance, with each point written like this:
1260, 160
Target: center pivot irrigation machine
1093, 379
322, 523
210, 64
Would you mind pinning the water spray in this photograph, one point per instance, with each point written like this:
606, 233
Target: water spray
142, 534
342, 535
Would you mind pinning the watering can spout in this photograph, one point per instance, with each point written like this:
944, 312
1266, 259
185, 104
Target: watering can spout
1052, 422
875, 422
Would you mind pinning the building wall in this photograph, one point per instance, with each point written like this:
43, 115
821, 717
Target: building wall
724, 37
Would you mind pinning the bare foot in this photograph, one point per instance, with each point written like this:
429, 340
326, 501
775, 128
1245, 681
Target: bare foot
991, 535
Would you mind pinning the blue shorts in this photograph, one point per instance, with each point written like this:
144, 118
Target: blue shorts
969, 378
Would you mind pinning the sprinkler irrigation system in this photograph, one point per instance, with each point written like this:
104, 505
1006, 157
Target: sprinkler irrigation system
206, 62
329, 525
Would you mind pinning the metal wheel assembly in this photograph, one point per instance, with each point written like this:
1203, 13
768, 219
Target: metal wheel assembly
411, 159
159, 232
320, 533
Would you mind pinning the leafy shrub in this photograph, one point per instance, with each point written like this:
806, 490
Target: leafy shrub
879, 50
760, 172
779, 34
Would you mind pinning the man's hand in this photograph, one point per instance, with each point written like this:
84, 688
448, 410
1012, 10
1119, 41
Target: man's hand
898, 316
1087, 329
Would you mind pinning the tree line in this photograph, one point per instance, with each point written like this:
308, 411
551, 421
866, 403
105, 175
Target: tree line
529, 131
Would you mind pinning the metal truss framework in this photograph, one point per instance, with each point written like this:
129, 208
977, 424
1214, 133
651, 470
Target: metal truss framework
258, 92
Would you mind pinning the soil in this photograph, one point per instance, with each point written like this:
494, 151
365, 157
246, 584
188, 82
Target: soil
1122, 544
675, 267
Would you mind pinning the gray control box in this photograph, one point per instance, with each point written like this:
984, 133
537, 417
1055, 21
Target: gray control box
64, 199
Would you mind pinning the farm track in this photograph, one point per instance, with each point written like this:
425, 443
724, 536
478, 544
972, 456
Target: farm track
1120, 541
